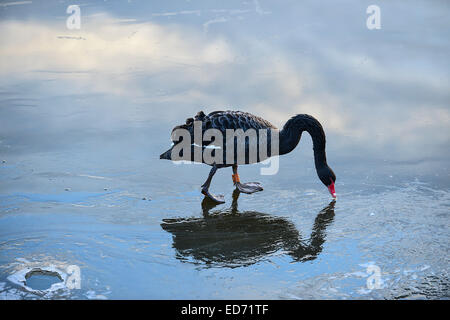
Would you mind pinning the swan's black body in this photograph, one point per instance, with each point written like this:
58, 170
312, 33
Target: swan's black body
223, 120
289, 137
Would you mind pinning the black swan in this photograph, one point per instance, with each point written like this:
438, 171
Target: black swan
289, 137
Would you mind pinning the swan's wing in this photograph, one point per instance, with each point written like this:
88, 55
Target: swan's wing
223, 120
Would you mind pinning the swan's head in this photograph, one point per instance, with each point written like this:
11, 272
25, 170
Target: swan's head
328, 178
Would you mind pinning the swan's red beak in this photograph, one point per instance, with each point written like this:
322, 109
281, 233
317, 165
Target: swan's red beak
332, 190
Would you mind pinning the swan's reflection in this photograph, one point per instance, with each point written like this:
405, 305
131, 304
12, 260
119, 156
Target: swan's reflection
230, 238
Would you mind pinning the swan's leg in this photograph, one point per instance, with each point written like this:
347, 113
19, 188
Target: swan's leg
205, 187
249, 187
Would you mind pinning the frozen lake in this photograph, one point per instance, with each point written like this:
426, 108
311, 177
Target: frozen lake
85, 114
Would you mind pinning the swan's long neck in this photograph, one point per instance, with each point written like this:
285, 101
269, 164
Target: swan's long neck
292, 131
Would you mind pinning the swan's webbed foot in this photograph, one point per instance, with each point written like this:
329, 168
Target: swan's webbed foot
249, 187
205, 187
219, 198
